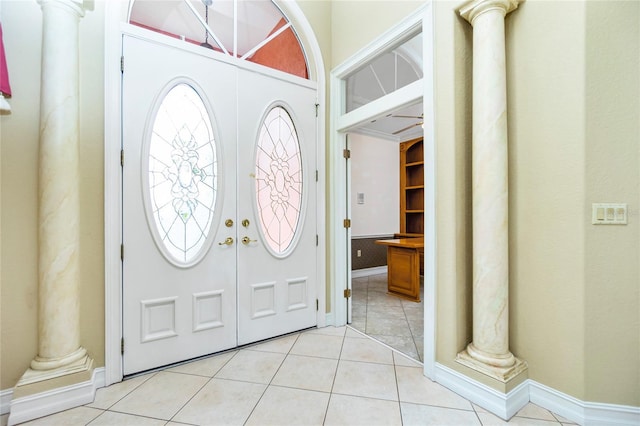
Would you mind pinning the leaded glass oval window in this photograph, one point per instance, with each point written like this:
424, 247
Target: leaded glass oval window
278, 180
182, 174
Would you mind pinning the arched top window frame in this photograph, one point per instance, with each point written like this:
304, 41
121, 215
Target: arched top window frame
258, 32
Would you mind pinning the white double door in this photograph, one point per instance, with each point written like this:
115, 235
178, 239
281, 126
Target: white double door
224, 292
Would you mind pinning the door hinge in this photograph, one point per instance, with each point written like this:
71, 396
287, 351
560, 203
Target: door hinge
122, 63
317, 305
317, 105
347, 293
316, 175
121, 251
122, 346
122, 157
347, 223
317, 240
346, 153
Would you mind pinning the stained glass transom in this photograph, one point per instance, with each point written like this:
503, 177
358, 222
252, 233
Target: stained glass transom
278, 180
182, 173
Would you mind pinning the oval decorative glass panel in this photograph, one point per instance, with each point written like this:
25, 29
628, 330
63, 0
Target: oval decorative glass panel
182, 174
278, 180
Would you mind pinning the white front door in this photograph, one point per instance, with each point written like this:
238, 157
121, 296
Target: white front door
179, 188
277, 239
197, 180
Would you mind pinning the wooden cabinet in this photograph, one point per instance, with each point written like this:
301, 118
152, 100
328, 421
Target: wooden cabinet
412, 192
403, 260
411, 189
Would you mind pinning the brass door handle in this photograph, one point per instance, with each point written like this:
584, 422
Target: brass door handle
247, 240
228, 242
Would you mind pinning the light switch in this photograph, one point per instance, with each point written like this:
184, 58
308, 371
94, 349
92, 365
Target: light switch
609, 213
360, 197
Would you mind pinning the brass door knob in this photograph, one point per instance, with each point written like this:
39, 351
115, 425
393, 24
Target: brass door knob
227, 242
245, 223
247, 240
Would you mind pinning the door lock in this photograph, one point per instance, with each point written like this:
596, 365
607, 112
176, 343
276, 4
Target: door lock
247, 240
228, 242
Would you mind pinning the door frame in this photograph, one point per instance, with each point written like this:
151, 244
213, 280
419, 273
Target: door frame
116, 22
340, 253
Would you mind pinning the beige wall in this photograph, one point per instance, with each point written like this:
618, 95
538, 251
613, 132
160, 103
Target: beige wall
612, 274
19, 192
573, 141
19, 153
546, 63
354, 24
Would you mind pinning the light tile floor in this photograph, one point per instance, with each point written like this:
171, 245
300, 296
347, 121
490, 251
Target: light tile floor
394, 321
328, 376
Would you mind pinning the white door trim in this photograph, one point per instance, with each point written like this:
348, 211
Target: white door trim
339, 259
116, 14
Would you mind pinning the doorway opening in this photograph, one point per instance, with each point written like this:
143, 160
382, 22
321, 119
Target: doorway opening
364, 119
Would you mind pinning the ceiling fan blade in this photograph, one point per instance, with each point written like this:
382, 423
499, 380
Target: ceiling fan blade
407, 128
407, 116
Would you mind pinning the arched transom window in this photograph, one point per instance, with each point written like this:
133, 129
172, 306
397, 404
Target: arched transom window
255, 31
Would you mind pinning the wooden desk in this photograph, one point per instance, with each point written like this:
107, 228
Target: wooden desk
403, 263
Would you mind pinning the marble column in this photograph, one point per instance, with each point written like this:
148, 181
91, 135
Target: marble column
489, 351
59, 350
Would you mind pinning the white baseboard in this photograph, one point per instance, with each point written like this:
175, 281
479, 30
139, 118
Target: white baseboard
359, 273
584, 413
507, 405
43, 404
5, 400
498, 403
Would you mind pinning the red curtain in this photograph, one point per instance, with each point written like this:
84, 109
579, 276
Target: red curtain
5, 87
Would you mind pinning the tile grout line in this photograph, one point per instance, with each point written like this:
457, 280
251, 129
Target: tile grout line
268, 385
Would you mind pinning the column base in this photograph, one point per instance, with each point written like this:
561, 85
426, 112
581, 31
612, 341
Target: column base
42, 393
501, 373
38, 375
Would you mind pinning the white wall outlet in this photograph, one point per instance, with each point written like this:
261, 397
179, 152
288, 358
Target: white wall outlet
359, 253
360, 197
609, 213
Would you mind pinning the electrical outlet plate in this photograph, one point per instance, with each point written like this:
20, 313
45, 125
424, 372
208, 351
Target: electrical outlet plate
609, 213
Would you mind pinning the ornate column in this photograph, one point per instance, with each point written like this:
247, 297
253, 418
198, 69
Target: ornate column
489, 352
59, 350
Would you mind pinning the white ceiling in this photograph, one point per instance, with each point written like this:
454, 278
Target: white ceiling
256, 19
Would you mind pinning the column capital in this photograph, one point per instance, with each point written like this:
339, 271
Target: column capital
77, 6
471, 10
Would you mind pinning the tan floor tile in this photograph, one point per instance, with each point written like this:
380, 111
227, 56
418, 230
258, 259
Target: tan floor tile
355, 333
252, 366
320, 345
415, 414
111, 418
161, 396
415, 388
284, 406
4, 419
308, 373
533, 411
329, 331
366, 350
405, 361
355, 410
107, 396
74, 416
489, 419
366, 379
221, 402
280, 345
207, 367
